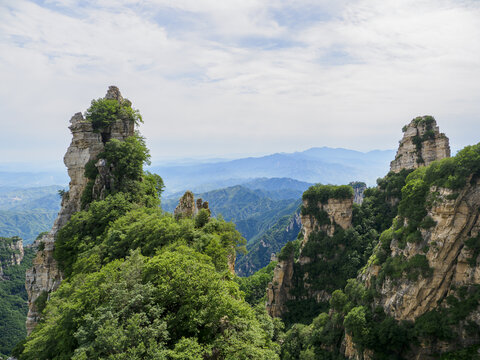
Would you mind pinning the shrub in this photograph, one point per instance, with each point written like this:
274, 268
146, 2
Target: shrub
104, 112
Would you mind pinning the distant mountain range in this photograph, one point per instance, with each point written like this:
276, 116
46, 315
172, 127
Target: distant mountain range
316, 165
26, 212
252, 209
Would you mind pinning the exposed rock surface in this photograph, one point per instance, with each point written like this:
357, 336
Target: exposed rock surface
11, 252
422, 144
278, 289
278, 292
457, 220
86, 145
339, 211
453, 265
187, 206
358, 191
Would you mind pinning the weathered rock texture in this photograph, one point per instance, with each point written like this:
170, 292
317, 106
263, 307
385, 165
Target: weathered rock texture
358, 191
11, 252
456, 214
278, 291
457, 221
421, 145
86, 145
339, 211
187, 206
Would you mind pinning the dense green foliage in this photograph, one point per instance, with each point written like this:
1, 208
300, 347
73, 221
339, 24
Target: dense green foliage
169, 306
13, 298
346, 252
255, 285
140, 284
125, 160
104, 112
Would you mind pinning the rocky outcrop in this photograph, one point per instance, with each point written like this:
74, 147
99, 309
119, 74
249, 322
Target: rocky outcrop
339, 212
457, 220
449, 262
358, 191
87, 143
186, 206
11, 252
278, 291
421, 145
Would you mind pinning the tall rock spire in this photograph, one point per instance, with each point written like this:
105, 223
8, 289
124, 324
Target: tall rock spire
421, 145
87, 143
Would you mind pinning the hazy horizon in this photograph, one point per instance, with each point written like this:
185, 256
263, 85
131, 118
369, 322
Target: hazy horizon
213, 79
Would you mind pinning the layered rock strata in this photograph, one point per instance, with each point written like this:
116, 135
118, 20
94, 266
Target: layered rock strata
421, 145
86, 145
453, 265
278, 291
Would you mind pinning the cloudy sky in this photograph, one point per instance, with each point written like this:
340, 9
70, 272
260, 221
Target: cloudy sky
226, 78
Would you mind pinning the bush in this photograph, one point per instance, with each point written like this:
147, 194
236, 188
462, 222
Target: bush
104, 112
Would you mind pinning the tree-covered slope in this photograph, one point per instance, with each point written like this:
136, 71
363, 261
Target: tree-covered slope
27, 223
252, 210
141, 284
26, 212
13, 297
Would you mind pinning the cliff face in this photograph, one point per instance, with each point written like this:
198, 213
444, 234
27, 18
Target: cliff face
86, 145
358, 191
339, 212
422, 144
448, 250
456, 221
11, 252
278, 291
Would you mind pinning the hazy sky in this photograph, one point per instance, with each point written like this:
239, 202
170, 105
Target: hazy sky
235, 77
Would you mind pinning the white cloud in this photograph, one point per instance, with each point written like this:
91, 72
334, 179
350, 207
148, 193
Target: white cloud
240, 76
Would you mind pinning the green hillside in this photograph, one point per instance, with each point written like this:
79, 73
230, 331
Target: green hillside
13, 298
253, 211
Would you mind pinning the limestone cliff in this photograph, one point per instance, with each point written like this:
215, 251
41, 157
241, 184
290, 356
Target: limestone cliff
278, 291
433, 264
358, 191
337, 212
421, 145
11, 252
187, 206
87, 143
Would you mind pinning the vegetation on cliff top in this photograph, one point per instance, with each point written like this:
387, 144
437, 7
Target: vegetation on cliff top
140, 284
102, 113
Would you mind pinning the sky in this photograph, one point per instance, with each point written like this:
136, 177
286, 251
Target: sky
233, 78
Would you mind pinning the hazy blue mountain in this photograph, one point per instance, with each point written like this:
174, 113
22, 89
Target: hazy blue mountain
45, 197
316, 165
26, 179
